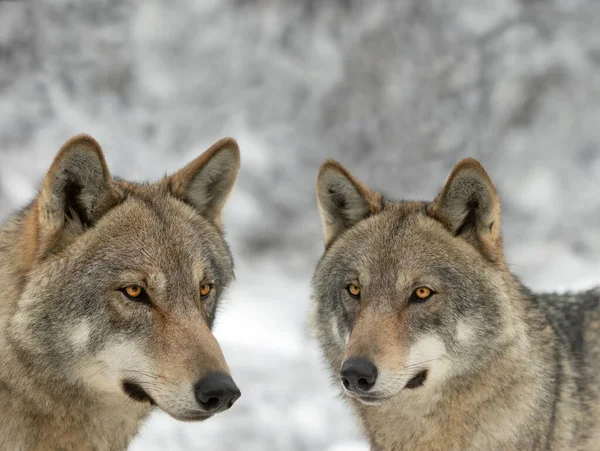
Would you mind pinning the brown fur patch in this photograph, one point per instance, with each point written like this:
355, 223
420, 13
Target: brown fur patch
378, 337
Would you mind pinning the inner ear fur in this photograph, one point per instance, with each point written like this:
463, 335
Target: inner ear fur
207, 181
76, 191
343, 200
469, 206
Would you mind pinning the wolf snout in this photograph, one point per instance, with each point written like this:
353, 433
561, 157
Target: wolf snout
358, 375
216, 392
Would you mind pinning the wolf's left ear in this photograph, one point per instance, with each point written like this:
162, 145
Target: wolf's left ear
343, 200
469, 207
206, 182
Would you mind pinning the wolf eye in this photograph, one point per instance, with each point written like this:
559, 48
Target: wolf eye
353, 290
136, 293
205, 290
421, 294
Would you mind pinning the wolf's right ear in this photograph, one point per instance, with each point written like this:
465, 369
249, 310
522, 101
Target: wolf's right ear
206, 182
469, 207
343, 200
76, 191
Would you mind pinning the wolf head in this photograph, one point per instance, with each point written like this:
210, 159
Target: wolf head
409, 295
123, 282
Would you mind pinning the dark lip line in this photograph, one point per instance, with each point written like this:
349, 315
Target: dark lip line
380, 399
136, 392
420, 377
368, 398
200, 416
140, 395
373, 398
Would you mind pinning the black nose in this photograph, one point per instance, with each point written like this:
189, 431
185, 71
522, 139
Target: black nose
358, 375
216, 392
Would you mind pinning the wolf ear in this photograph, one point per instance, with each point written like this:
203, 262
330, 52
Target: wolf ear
76, 190
343, 200
469, 207
206, 182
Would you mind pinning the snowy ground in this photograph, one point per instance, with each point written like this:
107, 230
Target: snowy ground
397, 91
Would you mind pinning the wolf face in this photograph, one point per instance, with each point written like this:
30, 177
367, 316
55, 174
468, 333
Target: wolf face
123, 281
408, 295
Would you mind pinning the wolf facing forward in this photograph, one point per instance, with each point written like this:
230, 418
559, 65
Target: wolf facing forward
434, 342
108, 291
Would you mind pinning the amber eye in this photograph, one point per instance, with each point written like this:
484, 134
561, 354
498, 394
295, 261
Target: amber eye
353, 290
205, 290
421, 294
136, 293
133, 291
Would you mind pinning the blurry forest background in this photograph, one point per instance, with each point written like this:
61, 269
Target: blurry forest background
398, 91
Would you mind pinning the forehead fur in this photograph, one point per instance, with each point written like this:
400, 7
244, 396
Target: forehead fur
157, 228
402, 236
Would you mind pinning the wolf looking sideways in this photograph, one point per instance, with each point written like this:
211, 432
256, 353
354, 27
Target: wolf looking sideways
108, 291
434, 342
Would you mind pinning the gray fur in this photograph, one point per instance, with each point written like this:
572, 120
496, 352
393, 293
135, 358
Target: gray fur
506, 368
69, 338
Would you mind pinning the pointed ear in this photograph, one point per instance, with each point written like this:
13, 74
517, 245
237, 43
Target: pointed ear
343, 200
76, 191
206, 182
469, 207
